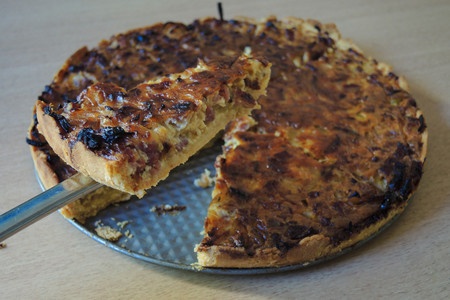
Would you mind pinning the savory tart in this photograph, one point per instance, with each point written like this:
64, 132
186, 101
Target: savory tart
131, 139
333, 154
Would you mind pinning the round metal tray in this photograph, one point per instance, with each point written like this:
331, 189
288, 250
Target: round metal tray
169, 239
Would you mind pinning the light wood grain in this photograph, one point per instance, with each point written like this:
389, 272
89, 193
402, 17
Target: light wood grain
52, 260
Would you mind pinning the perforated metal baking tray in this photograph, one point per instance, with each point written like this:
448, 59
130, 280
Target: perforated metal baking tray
169, 239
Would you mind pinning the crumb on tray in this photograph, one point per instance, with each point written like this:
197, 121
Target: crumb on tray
108, 233
122, 224
205, 180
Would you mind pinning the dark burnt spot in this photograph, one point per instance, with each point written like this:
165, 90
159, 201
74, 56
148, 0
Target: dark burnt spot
346, 130
182, 106
343, 234
290, 34
157, 48
270, 24
239, 194
35, 143
373, 79
402, 184
354, 194
202, 75
213, 231
216, 38
327, 173
389, 90
209, 241
406, 189
351, 86
163, 85
402, 150
155, 68
388, 200
298, 232
166, 147
187, 60
271, 185
127, 112
75, 68
99, 59
315, 51
422, 126
398, 172
246, 98
134, 92
324, 221
112, 134
67, 98
61, 120
412, 102
387, 166
48, 91
333, 146
392, 75
416, 171
89, 138
278, 242
279, 162
338, 206
142, 39
328, 41
253, 84
350, 227
313, 194
34, 132
354, 52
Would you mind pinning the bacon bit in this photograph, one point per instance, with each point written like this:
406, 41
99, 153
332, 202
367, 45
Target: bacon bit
166, 208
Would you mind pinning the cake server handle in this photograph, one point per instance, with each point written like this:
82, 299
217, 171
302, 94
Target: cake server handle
45, 203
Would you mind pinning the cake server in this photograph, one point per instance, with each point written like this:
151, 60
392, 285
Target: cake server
45, 203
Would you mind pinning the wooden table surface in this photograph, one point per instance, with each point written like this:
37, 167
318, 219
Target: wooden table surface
53, 260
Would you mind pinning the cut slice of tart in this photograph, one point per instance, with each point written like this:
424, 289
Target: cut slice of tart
131, 139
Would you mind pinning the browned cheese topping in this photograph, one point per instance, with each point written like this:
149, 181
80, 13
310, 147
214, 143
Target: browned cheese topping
335, 145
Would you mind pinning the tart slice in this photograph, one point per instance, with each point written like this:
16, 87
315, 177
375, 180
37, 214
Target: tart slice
131, 139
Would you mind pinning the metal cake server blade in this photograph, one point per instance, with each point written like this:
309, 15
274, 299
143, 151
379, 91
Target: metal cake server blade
45, 203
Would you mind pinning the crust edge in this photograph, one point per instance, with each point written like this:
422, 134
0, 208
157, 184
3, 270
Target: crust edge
309, 250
